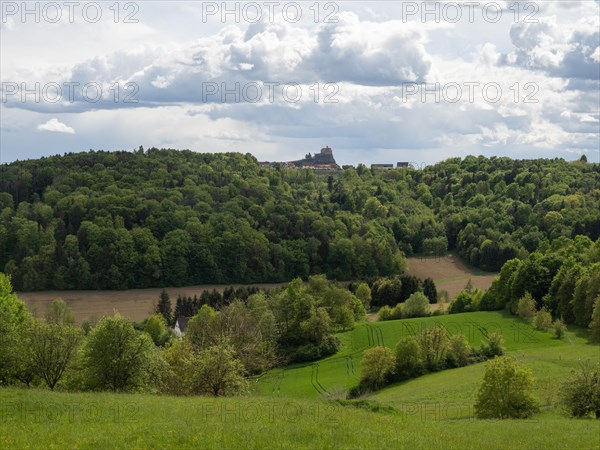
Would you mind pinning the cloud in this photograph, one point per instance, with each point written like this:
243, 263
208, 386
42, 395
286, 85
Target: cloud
360, 52
369, 57
569, 51
369, 53
55, 126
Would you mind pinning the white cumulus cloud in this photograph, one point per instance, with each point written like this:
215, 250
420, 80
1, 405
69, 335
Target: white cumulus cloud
56, 126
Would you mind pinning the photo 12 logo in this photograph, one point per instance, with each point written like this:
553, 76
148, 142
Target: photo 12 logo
268, 91
71, 12
468, 91
68, 92
454, 12
254, 12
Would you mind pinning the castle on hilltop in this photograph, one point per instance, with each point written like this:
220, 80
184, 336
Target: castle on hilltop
323, 160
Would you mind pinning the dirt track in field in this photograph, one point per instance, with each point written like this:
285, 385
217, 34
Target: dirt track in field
135, 304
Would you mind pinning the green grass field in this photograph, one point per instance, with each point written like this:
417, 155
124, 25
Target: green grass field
290, 408
43, 419
342, 370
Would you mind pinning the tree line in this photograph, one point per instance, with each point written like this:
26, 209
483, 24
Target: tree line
560, 281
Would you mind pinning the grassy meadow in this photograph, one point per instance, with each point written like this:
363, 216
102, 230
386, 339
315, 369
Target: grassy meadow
342, 370
296, 407
44, 419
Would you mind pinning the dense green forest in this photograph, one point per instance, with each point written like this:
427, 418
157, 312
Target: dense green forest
106, 220
563, 278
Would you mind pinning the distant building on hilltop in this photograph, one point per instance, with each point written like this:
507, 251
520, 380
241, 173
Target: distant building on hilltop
402, 165
322, 160
382, 166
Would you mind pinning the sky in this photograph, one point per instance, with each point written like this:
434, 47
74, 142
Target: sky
379, 82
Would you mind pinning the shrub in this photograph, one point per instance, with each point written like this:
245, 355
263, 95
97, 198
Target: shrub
459, 351
363, 292
180, 361
311, 352
580, 393
462, 303
542, 320
505, 392
157, 329
52, 346
559, 328
219, 372
116, 356
329, 345
410, 361
526, 307
417, 305
434, 344
494, 346
378, 365
385, 313
395, 313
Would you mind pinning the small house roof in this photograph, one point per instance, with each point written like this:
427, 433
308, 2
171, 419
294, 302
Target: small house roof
182, 321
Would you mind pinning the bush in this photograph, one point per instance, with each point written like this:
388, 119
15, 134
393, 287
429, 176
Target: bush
385, 313
398, 312
459, 351
180, 362
434, 344
494, 346
116, 356
363, 292
157, 329
52, 347
378, 364
329, 346
505, 392
417, 305
542, 320
462, 303
219, 372
410, 362
526, 307
311, 352
395, 313
559, 328
580, 393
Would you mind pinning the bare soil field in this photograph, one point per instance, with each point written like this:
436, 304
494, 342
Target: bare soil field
449, 273
135, 304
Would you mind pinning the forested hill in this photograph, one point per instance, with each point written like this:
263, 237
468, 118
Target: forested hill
166, 217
